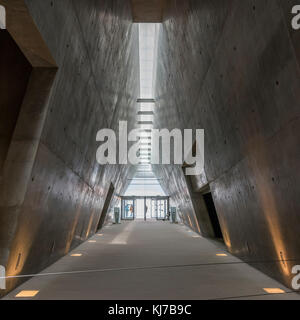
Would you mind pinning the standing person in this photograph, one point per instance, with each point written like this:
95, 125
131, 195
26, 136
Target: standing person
131, 211
146, 210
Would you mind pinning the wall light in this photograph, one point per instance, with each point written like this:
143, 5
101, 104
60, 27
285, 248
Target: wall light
27, 293
221, 255
76, 255
92, 241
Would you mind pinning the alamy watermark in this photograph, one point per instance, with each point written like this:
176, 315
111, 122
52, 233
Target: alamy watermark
186, 149
296, 18
296, 278
2, 278
2, 17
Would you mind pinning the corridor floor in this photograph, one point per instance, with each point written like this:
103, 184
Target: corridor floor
150, 260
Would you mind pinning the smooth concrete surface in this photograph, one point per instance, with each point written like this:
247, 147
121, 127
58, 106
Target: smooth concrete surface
29, 116
228, 67
56, 187
232, 68
151, 260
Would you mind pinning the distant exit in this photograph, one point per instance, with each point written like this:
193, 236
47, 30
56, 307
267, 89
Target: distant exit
145, 208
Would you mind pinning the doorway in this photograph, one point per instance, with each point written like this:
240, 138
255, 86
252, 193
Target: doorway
128, 209
14, 78
148, 208
161, 209
213, 216
145, 208
140, 209
106, 206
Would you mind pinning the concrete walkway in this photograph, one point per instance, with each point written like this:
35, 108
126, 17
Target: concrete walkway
150, 260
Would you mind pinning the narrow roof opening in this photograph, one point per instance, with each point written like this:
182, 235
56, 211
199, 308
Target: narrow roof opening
144, 182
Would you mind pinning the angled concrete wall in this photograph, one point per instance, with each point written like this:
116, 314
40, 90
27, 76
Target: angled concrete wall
95, 46
232, 68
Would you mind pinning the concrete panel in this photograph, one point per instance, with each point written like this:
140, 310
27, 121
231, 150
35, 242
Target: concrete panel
236, 75
95, 46
29, 120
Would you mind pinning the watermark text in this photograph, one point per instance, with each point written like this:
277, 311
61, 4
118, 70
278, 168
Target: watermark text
2, 278
296, 18
2, 17
175, 147
296, 279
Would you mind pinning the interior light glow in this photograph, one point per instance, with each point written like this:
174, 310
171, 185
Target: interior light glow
274, 290
27, 293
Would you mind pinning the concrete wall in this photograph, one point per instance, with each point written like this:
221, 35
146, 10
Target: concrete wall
95, 46
232, 68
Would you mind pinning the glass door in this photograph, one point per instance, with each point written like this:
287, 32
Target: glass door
140, 209
161, 209
128, 209
153, 208
148, 208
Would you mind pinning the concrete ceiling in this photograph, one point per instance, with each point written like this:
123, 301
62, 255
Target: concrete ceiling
147, 10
